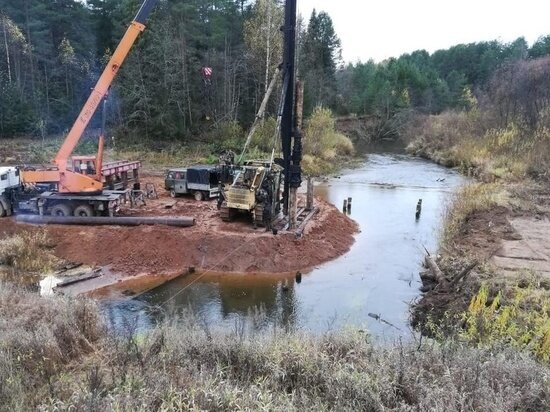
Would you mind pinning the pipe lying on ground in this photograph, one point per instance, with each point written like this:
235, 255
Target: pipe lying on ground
107, 221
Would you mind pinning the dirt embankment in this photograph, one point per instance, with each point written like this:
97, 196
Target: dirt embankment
210, 245
510, 243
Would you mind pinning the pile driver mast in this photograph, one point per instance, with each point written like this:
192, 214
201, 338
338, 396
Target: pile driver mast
291, 136
80, 181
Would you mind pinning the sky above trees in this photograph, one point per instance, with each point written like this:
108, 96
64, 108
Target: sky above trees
389, 28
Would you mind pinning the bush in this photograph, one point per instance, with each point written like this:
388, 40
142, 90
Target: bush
226, 136
323, 144
27, 252
474, 143
265, 136
39, 338
519, 322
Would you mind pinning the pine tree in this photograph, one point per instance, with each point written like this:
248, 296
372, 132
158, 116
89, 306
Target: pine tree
319, 60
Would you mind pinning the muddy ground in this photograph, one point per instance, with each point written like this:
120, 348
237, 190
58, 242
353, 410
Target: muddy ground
210, 245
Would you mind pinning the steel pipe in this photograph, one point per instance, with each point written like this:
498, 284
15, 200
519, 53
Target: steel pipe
106, 221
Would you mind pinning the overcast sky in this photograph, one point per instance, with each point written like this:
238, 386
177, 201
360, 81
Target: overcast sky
388, 28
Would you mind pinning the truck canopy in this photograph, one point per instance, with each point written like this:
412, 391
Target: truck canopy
204, 175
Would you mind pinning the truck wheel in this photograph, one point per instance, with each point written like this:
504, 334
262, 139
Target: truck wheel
61, 210
173, 194
5, 209
84, 211
199, 197
2, 210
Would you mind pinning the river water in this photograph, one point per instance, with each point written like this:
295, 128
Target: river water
370, 288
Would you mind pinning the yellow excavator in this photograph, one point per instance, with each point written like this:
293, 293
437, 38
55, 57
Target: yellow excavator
82, 175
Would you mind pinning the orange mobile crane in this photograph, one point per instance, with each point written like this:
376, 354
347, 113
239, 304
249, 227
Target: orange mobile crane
78, 186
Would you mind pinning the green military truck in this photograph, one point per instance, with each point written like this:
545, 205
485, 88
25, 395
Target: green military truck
199, 181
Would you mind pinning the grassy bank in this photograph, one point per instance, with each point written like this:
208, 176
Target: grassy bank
511, 168
57, 354
472, 142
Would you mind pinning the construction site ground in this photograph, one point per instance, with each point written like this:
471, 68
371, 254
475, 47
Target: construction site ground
211, 245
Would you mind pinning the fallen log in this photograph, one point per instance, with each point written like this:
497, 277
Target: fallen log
464, 273
438, 274
106, 221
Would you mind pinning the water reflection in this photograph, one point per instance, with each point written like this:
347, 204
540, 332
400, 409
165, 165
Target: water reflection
218, 300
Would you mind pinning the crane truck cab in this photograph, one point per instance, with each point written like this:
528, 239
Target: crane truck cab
9, 182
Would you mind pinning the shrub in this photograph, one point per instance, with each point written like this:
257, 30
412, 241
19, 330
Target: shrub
265, 135
39, 338
474, 143
323, 144
520, 322
227, 135
27, 252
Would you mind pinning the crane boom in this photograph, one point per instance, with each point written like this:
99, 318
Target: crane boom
71, 181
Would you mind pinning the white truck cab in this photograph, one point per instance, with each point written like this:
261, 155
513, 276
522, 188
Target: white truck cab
9, 179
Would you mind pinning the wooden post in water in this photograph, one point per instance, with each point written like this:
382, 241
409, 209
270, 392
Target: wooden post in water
345, 208
349, 204
418, 209
309, 203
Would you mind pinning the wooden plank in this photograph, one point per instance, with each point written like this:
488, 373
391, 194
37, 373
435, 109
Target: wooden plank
81, 278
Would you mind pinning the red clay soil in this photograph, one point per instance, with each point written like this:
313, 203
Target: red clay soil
210, 245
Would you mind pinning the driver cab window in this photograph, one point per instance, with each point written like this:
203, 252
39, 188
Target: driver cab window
4, 177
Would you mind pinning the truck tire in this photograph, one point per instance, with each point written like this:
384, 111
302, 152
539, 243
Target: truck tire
84, 211
199, 196
61, 210
5, 206
173, 194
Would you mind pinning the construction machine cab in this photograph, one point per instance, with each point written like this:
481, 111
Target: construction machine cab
85, 165
250, 177
254, 188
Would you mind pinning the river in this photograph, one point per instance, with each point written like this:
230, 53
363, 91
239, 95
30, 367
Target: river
371, 287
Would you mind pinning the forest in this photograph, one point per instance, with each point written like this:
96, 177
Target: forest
52, 52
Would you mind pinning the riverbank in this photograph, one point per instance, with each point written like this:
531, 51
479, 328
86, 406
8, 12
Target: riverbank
59, 354
501, 225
